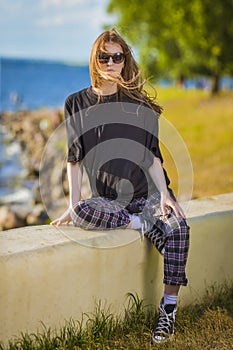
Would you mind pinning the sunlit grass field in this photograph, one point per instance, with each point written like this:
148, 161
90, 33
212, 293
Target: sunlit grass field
205, 123
206, 325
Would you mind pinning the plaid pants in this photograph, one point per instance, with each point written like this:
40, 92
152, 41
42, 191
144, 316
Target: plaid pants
169, 234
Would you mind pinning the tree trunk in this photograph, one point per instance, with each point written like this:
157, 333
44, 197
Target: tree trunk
216, 84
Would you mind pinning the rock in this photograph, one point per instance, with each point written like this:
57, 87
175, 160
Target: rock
56, 119
9, 219
53, 170
38, 216
37, 132
36, 195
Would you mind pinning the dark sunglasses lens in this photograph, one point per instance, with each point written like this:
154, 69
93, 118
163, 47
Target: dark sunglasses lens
118, 57
103, 58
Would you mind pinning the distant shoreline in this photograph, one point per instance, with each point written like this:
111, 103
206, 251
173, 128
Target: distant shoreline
31, 129
31, 84
47, 60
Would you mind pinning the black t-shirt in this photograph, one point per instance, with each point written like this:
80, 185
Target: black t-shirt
116, 138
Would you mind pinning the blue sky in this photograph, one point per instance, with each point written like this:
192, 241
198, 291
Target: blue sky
51, 29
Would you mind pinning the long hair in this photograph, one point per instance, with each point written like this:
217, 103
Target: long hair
130, 81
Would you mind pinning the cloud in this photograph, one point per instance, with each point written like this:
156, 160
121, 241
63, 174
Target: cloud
50, 21
61, 2
51, 28
70, 3
76, 13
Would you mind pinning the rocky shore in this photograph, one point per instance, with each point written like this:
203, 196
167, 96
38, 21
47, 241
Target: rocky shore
33, 130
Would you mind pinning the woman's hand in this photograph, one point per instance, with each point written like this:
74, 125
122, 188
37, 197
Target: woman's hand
157, 175
167, 201
63, 219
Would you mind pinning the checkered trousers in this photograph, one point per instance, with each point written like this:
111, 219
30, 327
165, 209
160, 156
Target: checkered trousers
169, 234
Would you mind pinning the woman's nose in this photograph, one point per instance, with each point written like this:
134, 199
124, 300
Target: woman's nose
110, 61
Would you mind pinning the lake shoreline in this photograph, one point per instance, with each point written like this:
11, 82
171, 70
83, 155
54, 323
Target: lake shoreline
31, 129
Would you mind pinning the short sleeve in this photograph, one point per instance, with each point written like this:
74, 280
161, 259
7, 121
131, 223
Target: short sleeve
152, 138
73, 140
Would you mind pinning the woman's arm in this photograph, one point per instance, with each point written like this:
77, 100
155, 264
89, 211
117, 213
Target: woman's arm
74, 173
157, 175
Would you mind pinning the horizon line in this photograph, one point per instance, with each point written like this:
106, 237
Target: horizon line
70, 62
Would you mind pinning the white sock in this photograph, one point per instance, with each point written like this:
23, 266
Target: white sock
135, 222
169, 299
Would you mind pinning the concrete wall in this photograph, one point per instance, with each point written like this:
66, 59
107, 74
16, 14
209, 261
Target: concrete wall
51, 274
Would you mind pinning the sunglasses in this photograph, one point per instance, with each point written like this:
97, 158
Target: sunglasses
117, 58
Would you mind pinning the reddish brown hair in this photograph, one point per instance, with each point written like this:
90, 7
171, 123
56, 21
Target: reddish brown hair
130, 82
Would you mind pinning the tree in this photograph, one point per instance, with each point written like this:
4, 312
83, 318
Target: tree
179, 38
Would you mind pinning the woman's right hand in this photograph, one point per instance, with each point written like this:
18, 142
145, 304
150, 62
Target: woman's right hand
63, 219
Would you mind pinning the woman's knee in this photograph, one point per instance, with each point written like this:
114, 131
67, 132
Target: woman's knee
182, 233
81, 214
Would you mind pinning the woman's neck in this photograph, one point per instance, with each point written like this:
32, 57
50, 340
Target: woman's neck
107, 88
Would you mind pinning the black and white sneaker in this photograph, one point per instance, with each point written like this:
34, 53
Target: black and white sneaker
146, 226
165, 327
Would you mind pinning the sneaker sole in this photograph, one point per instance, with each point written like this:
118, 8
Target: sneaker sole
160, 339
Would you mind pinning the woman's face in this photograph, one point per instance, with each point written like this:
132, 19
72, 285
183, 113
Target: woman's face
107, 63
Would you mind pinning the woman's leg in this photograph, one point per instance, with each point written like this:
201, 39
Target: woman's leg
100, 213
170, 234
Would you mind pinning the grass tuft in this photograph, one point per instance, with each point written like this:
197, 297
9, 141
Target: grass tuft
205, 325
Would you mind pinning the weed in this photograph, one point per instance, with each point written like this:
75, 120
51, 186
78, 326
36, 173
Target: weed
206, 325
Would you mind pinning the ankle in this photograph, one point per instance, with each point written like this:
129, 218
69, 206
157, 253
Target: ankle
135, 223
169, 299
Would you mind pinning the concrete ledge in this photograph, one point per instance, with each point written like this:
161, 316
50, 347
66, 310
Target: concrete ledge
51, 274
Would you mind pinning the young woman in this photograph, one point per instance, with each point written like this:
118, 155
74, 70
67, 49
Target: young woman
112, 130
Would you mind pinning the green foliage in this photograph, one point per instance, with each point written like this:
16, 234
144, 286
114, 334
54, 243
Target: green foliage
177, 37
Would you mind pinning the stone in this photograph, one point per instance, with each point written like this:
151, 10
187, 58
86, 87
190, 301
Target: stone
9, 218
38, 216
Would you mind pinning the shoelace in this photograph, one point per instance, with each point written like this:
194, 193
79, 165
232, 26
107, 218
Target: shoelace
146, 226
144, 229
165, 323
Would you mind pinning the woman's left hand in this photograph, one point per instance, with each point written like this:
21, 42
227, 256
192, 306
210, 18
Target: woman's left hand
166, 201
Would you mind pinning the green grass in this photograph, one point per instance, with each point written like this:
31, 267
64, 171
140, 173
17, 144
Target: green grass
204, 325
205, 123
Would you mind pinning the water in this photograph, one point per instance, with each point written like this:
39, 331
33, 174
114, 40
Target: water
13, 185
32, 84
